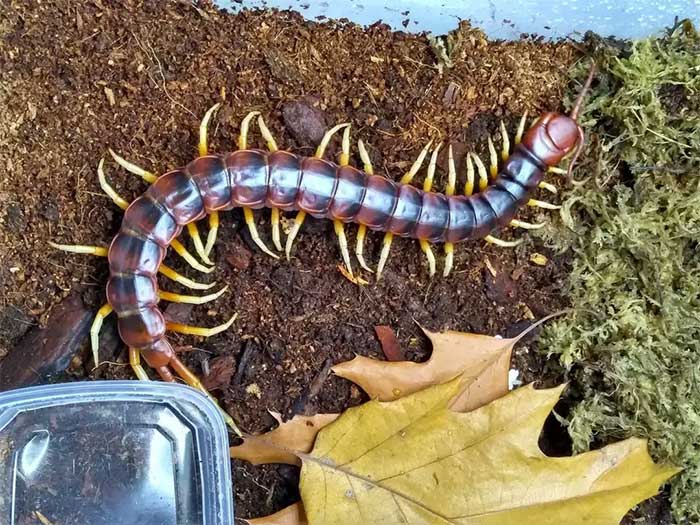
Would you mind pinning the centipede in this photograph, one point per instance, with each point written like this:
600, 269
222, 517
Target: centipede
253, 178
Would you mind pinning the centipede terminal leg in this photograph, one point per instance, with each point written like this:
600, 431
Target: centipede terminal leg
406, 179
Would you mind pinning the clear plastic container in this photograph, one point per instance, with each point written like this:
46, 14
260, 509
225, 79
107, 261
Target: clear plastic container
113, 452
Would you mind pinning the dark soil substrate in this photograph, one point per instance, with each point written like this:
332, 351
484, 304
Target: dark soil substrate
78, 77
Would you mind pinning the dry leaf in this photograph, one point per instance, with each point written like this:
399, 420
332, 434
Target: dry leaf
292, 515
281, 444
483, 359
416, 461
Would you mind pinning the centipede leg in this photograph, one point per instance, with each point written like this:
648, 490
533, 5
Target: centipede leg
469, 184
481, 170
191, 379
521, 128
247, 212
136, 366
109, 190
505, 143
133, 168
203, 149
298, 221
406, 179
102, 313
275, 213
338, 225
187, 256
99, 251
190, 299
185, 281
193, 231
534, 203
493, 160
526, 225
500, 242
198, 330
427, 186
449, 191
548, 187
362, 229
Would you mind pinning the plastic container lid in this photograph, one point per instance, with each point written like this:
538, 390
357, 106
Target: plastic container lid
113, 452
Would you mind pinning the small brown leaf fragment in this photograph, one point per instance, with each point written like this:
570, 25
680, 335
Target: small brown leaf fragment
390, 345
451, 93
279, 445
221, 371
292, 515
110, 96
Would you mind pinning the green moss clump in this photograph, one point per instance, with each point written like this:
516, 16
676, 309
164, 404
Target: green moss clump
633, 345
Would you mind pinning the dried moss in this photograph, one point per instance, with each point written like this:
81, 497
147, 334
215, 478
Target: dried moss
633, 347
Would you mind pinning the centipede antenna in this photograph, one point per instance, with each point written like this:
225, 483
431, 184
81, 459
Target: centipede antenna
327, 138
384, 255
245, 126
253, 229
203, 147
193, 232
493, 160
408, 176
275, 221
95, 331
481, 169
500, 242
298, 221
111, 192
527, 225
100, 251
198, 330
136, 366
181, 279
586, 87
191, 299
191, 379
182, 252
265, 132
551, 188
521, 128
213, 232
469, 185
449, 191
133, 168
534, 203
505, 142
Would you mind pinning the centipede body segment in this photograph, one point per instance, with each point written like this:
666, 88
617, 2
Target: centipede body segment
280, 180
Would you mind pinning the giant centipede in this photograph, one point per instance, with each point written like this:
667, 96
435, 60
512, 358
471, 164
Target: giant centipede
280, 180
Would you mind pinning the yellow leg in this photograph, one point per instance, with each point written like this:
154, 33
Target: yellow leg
203, 147
135, 362
213, 231
384, 255
408, 176
95, 331
556, 170
527, 225
505, 143
481, 169
190, 299
275, 220
449, 191
427, 186
298, 221
362, 229
542, 204
100, 251
521, 129
182, 252
253, 229
133, 168
547, 186
200, 331
197, 241
493, 160
327, 138
111, 193
265, 132
185, 281
469, 185
500, 242
245, 125
343, 243
191, 379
